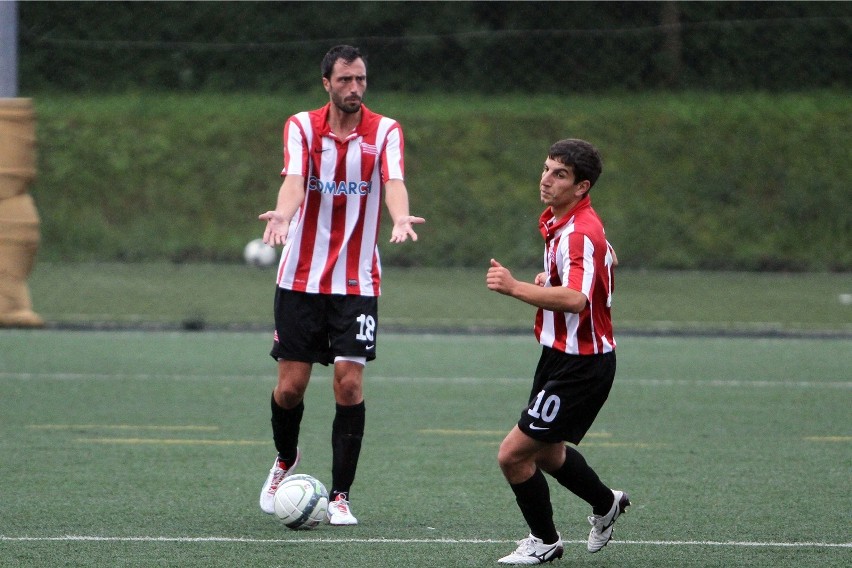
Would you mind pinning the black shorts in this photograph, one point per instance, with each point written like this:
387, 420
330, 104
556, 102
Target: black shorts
568, 392
316, 328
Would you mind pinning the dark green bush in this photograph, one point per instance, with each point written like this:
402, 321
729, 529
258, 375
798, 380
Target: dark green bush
474, 47
745, 182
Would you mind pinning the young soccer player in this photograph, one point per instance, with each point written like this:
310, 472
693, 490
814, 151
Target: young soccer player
577, 365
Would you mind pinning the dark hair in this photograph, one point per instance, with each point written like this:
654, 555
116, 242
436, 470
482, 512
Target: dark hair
345, 52
583, 158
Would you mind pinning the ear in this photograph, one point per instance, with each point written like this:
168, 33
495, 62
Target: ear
326, 84
583, 188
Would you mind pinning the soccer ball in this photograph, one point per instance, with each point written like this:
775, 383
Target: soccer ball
258, 253
301, 502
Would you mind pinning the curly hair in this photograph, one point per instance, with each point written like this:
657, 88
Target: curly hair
583, 158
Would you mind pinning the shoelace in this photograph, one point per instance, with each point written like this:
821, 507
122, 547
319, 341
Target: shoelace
342, 505
526, 546
276, 479
597, 522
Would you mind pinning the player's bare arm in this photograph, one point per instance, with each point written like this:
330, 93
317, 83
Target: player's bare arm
556, 299
290, 198
396, 200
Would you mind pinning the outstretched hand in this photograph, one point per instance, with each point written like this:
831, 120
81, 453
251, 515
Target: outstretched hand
276, 228
402, 229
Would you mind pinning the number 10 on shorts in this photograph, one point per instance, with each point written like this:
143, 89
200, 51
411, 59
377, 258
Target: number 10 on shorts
547, 410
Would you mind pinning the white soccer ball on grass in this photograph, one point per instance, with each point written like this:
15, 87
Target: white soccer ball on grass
258, 253
301, 502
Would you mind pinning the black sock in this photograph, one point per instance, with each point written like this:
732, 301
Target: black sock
533, 497
347, 431
285, 430
581, 480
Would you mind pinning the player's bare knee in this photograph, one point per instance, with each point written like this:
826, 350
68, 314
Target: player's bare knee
507, 458
348, 383
288, 395
348, 389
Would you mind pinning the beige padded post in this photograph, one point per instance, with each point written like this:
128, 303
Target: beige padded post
19, 222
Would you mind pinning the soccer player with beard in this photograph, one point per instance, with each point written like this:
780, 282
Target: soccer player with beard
338, 161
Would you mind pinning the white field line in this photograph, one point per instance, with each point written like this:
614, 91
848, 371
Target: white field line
721, 383
708, 543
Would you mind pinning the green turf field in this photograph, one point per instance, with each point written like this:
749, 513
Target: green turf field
148, 449
233, 295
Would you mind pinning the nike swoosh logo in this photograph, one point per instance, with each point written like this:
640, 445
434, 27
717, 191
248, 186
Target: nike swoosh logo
534, 427
370, 346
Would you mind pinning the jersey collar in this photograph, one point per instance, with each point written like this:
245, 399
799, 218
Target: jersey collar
324, 129
548, 224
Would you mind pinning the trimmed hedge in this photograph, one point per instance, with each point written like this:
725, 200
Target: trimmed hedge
691, 181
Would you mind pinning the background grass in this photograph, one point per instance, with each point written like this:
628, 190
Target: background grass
223, 295
158, 436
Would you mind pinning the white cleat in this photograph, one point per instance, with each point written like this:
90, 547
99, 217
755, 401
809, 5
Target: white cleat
277, 474
339, 513
532, 550
602, 526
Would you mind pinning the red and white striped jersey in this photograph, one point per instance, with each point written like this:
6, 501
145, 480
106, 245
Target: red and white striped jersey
577, 255
331, 243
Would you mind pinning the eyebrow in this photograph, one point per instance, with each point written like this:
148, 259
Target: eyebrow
559, 168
